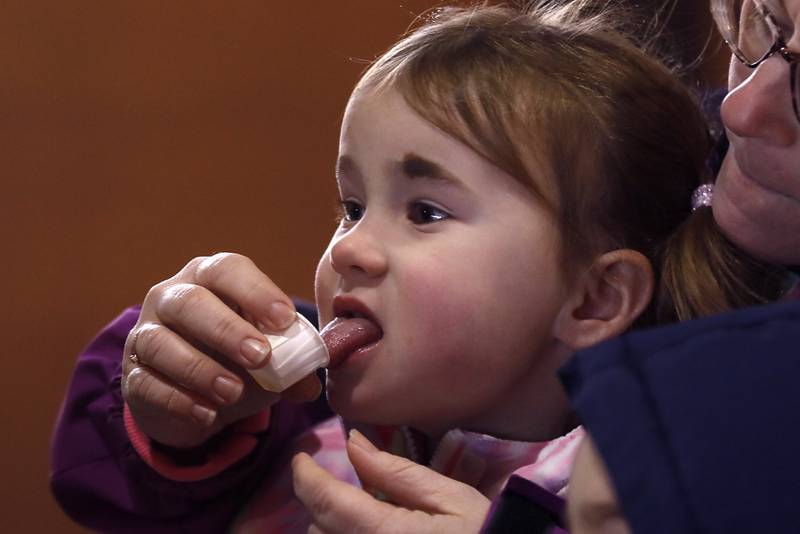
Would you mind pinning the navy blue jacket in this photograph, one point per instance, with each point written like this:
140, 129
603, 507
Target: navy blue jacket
698, 422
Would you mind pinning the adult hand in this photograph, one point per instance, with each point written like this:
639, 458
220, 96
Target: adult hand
193, 341
421, 500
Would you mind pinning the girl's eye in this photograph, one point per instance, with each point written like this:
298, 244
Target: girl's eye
423, 213
351, 211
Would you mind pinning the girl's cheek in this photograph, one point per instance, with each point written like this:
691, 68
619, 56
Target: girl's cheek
441, 304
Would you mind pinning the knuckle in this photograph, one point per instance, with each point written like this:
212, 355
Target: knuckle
155, 293
145, 390
224, 330
125, 384
211, 269
181, 300
131, 341
402, 468
140, 385
174, 402
151, 344
319, 500
253, 289
193, 264
194, 371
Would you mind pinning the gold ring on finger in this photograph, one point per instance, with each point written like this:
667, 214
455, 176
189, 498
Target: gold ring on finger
133, 356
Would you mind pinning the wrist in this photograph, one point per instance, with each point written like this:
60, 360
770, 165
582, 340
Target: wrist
191, 453
203, 461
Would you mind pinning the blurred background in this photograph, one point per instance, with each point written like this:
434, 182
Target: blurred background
137, 135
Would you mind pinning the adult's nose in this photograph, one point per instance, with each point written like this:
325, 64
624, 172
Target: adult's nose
761, 105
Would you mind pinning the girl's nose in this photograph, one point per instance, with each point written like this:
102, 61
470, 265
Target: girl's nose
761, 106
359, 252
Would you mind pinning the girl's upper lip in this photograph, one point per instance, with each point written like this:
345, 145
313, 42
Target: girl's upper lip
349, 306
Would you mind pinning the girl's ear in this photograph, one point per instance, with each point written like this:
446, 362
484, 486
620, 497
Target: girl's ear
607, 299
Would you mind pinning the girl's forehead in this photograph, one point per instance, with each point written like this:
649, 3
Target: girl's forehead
360, 97
364, 93
365, 105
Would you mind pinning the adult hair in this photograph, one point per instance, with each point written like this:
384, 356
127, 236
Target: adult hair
604, 134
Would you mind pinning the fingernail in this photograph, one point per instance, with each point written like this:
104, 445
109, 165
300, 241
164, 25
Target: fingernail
203, 415
227, 390
281, 315
358, 439
255, 351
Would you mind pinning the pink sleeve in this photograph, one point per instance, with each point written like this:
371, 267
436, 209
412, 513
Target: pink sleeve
241, 442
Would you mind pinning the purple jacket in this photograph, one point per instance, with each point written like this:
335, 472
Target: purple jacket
102, 483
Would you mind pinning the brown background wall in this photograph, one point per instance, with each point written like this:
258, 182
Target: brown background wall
136, 135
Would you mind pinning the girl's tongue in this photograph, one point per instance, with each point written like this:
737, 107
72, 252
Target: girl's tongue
343, 336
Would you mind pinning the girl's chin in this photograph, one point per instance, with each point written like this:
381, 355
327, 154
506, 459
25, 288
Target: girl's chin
365, 414
362, 411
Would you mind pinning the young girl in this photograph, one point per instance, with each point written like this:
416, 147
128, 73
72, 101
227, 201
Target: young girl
514, 186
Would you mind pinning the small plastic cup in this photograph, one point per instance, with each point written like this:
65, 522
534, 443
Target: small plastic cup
296, 352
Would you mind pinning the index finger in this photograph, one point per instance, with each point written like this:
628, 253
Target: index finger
236, 279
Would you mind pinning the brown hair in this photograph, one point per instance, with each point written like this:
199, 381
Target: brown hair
556, 89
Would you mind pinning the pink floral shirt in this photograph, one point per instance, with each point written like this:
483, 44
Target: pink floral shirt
481, 461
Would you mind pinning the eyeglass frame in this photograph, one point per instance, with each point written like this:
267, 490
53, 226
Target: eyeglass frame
778, 47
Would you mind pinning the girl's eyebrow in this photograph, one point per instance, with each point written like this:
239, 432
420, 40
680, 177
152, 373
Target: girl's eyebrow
414, 166
344, 166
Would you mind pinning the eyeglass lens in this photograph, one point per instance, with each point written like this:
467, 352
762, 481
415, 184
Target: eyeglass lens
744, 25
748, 28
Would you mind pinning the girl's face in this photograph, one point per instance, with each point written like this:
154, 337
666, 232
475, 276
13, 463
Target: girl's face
457, 263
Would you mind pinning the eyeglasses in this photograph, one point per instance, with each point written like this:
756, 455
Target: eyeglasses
754, 34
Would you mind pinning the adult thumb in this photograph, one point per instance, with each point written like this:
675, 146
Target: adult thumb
407, 483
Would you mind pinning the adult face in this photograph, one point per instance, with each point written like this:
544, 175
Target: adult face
757, 193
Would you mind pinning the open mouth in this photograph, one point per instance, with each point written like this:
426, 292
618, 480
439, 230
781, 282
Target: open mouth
353, 328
